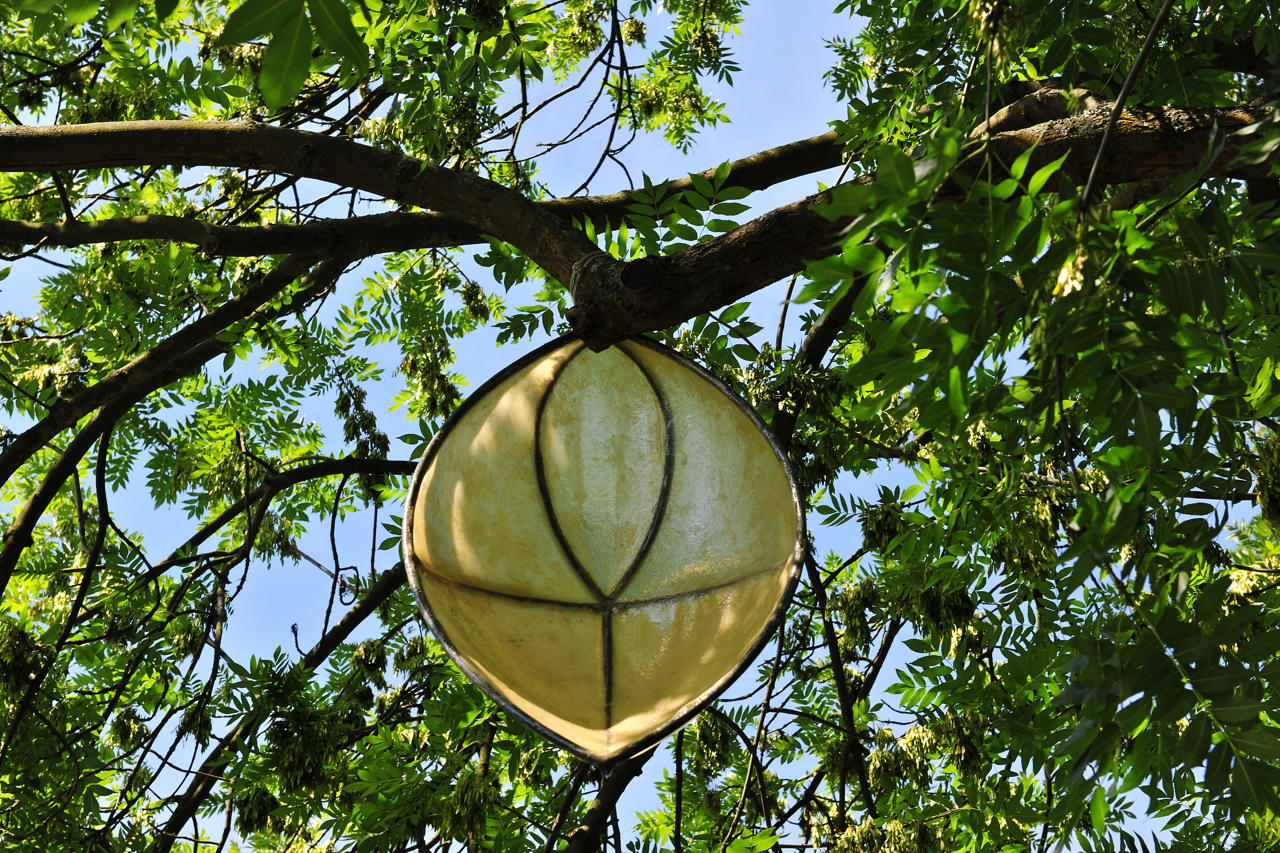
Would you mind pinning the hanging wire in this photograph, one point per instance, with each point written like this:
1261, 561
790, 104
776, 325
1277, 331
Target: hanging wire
1116, 109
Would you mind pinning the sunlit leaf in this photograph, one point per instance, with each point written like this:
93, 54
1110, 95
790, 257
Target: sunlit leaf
255, 18
286, 62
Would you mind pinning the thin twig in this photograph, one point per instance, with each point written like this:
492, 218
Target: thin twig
1118, 107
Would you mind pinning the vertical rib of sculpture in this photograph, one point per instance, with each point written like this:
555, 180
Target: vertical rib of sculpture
603, 541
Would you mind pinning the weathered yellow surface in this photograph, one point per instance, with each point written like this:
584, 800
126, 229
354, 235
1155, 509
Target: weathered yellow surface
614, 628
603, 445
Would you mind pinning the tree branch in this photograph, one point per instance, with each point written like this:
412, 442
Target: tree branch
208, 774
548, 239
180, 354
617, 300
614, 299
1147, 143
400, 231
586, 838
19, 536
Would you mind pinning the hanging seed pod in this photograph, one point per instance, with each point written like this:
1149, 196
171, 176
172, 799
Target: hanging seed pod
603, 541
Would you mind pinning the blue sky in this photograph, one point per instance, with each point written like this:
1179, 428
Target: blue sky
779, 96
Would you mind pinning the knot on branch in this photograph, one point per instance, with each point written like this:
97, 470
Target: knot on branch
608, 295
1039, 106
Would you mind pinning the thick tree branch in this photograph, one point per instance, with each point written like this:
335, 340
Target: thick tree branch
618, 300
755, 172
548, 239
1156, 142
392, 232
361, 235
615, 300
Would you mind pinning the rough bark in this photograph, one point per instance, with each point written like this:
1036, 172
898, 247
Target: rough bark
1157, 142
392, 232
613, 299
1148, 144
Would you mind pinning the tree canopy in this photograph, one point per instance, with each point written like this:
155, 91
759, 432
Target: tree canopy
1043, 287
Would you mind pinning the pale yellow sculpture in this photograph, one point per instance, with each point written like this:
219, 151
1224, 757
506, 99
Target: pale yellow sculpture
602, 541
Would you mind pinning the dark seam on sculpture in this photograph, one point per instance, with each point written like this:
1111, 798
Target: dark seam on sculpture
603, 606
540, 468
701, 591
515, 596
664, 492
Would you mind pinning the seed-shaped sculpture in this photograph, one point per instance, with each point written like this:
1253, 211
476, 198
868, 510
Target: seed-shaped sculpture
603, 541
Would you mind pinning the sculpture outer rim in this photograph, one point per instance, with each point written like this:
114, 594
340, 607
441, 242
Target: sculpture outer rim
685, 716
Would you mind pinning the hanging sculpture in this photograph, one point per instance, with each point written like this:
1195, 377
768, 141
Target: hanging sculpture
603, 541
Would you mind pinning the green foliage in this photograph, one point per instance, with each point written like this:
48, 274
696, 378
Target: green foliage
1042, 443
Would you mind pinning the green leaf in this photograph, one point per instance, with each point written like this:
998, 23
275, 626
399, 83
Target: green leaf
955, 393
1043, 174
255, 18
702, 185
1237, 709
286, 62
732, 193
1250, 782
1098, 810
120, 11
164, 8
1259, 742
1216, 770
1214, 680
80, 11
333, 25
895, 172
1019, 166
1260, 648
1194, 743
722, 174
1146, 427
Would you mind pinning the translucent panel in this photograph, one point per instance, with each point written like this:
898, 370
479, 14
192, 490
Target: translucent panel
602, 540
479, 516
672, 655
547, 660
731, 505
603, 443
